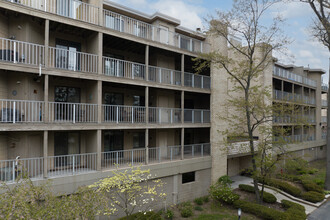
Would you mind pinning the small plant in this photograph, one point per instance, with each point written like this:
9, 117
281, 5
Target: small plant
223, 193
206, 199
311, 186
186, 210
198, 208
199, 201
312, 196
169, 214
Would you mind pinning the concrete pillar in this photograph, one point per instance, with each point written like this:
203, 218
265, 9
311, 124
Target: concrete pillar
46, 99
146, 98
182, 143
182, 107
45, 151
99, 101
182, 69
99, 149
100, 14
147, 62
100, 53
147, 145
46, 43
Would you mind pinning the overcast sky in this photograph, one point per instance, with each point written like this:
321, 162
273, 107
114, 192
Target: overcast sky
305, 50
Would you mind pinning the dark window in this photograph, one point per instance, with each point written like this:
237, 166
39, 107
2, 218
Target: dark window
67, 94
188, 177
138, 100
113, 99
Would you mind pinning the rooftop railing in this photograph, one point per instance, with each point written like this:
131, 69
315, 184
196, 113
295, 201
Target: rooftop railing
144, 30
293, 77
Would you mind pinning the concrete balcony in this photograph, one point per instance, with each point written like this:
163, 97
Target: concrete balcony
293, 77
73, 9
292, 97
325, 87
76, 164
324, 103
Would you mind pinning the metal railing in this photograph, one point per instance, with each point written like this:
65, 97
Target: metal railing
21, 52
72, 164
324, 119
165, 76
144, 30
72, 60
164, 115
18, 111
324, 135
196, 150
197, 116
295, 138
324, 103
72, 112
325, 87
113, 159
293, 97
197, 81
123, 69
68, 8
293, 77
123, 114
10, 170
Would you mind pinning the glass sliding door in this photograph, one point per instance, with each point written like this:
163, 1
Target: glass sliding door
67, 56
66, 143
69, 8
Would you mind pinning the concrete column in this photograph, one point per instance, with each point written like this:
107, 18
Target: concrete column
99, 149
46, 43
100, 15
147, 62
45, 150
182, 143
147, 145
100, 52
99, 101
146, 98
182, 107
46, 99
182, 69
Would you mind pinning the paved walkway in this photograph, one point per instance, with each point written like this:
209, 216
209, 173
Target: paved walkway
246, 180
322, 213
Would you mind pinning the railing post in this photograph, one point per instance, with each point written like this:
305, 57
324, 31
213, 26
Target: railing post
160, 75
202, 116
117, 112
202, 82
73, 160
193, 80
117, 158
13, 170
171, 153
45, 5
132, 157
15, 52
171, 77
191, 44
179, 41
132, 70
193, 116
171, 116
159, 114
14, 112
74, 114
201, 47
202, 150
132, 114
159, 154
192, 150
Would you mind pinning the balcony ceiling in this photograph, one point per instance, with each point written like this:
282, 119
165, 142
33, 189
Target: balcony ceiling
69, 30
116, 43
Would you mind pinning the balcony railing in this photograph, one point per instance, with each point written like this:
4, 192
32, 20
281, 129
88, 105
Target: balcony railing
71, 164
124, 114
21, 111
165, 76
295, 138
292, 97
294, 119
68, 8
293, 77
123, 69
197, 81
144, 30
324, 103
72, 60
21, 52
324, 135
197, 116
10, 170
72, 112
324, 119
325, 87
113, 159
164, 115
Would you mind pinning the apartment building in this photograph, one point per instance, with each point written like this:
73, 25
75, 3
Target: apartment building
85, 85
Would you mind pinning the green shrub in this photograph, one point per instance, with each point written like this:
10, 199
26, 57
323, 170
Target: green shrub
267, 197
223, 193
206, 199
260, 210
286, 187
311, 186
312, 196
294, 211
198, 208
141, 216
246, 172
319, 182
199, 201
313, 171
225, 180
302, 172
169, 214
186, 212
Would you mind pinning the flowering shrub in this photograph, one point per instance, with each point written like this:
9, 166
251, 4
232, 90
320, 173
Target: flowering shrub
223, 192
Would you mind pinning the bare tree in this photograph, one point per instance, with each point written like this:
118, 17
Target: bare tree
321, 31
250, 106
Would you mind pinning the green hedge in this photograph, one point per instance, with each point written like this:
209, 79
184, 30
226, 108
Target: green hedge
141, 216
312, 196
293, 211
260, 210
267, 197
286, 187
311, 186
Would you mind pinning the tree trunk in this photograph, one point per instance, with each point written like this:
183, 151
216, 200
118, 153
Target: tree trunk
327, 179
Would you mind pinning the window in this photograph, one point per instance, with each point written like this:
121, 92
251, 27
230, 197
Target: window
113, 99
70, 9
188, 177
67, 94
138, 100
67, 56
138, 140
